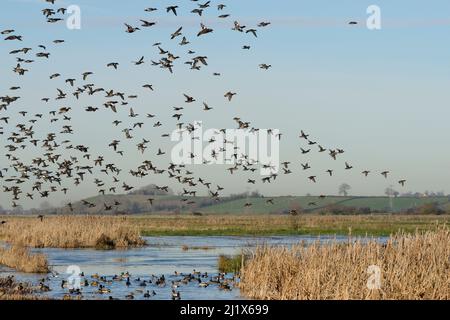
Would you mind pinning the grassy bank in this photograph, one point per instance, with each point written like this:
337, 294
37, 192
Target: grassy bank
106, 232
267, 225
411, 267
71, 232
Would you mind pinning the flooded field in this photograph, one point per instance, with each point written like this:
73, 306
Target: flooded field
168, 258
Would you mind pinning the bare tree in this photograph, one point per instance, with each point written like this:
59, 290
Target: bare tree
344, 189
391, 192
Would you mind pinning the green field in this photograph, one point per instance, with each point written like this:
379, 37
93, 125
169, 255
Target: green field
277, 225
139, 204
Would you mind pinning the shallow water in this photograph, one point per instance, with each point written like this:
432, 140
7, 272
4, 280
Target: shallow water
163, 256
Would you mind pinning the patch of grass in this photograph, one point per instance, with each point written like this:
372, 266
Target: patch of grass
20, 258
272, 225
231, 264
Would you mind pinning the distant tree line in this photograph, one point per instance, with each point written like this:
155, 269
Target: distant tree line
137, 202
152, 190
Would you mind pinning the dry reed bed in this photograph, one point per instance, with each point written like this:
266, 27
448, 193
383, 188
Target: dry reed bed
21, 259
412, 267
10, 289
72, 232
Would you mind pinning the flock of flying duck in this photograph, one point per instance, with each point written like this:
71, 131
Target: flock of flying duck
58, 164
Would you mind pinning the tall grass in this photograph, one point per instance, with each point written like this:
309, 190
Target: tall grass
72, 232
21, 259
413, 266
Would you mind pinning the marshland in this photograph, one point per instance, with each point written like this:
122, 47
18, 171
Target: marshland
71, 232
208, 257
411, 266
84, 231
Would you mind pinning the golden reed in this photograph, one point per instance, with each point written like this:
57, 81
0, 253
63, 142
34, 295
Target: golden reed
21, 259
72, 232
413, 266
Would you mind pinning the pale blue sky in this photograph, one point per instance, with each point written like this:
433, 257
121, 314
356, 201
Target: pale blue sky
383, 96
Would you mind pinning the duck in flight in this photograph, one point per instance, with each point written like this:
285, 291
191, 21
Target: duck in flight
229, 95
252, 31
189, 99
113, 64
176, 34
312, 178
173, 9
263, 24
204, 30
147, 24
305, 151
139, 62
131, 29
